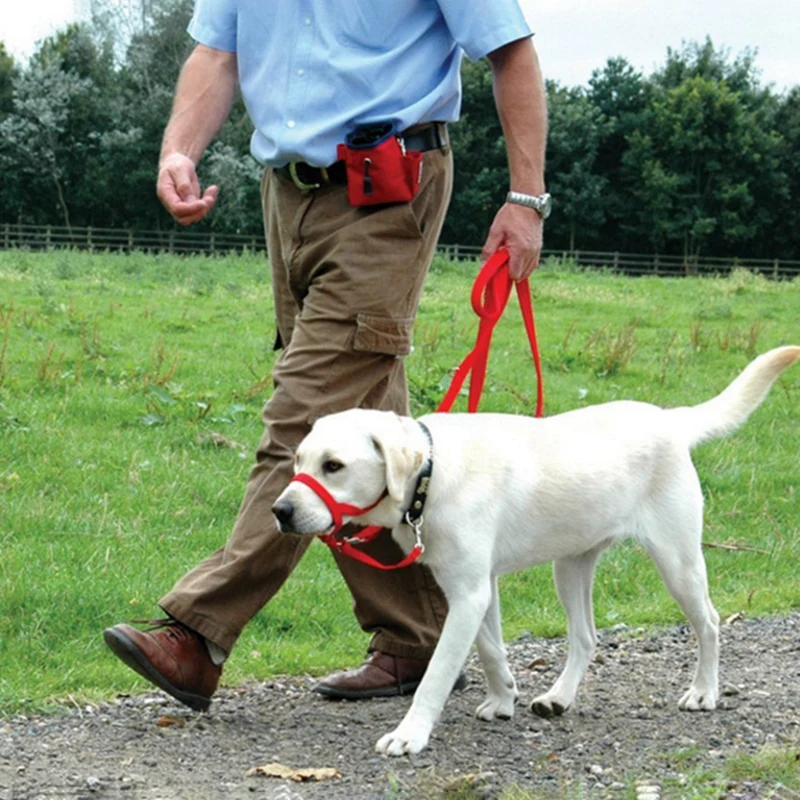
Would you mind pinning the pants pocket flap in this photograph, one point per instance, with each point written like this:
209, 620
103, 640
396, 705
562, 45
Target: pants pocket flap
376, 334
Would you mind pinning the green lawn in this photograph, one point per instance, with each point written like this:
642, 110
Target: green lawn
115, 372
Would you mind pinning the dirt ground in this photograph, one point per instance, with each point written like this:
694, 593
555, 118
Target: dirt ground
625, 725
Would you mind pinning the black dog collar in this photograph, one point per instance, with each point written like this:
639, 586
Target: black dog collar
414, 513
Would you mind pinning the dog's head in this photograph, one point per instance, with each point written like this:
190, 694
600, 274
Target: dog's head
357, 456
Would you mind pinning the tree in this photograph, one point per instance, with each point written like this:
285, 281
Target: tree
8, 72
784, 234
704, 60
237, 176
576, 129
693, 166
620, 94
34, 140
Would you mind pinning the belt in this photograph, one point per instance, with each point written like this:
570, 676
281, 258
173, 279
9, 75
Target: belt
428, 136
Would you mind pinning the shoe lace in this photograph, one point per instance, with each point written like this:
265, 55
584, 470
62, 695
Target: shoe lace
175, 630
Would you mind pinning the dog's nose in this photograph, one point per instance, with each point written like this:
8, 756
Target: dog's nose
284, 511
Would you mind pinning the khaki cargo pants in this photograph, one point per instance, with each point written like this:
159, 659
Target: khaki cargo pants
347, 283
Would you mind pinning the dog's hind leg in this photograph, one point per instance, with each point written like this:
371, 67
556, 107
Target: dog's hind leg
574, 577
679, 559
502, 694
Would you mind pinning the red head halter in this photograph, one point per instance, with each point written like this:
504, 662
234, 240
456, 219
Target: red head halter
345, 546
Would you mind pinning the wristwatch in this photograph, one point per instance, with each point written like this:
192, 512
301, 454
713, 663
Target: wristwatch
542, 204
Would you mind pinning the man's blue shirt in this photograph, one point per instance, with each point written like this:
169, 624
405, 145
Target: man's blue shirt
310, 70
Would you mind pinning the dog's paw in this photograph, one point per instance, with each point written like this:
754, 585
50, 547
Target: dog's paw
547, 707
695, 700
402, 741
496, 707
499, 705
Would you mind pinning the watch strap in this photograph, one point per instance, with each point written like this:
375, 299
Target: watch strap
538, 202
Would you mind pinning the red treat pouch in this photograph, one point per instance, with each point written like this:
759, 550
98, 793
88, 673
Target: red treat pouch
379, 168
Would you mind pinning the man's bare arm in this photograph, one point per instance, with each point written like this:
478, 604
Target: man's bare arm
522, 107
203, 99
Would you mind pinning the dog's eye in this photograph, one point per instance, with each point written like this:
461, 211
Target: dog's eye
331, 466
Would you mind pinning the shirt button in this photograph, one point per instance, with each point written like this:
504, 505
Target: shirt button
290, 123
301, 72
307, 20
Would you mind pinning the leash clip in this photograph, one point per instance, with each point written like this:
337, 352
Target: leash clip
416, 526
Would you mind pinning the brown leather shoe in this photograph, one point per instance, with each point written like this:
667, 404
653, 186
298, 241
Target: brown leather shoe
381, 675
171, 656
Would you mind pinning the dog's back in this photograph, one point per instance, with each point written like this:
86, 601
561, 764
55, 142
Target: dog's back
582, 477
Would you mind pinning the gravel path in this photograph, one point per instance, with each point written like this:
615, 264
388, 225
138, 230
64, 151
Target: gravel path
625, 725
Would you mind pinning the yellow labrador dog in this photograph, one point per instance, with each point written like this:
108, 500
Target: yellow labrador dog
507, 492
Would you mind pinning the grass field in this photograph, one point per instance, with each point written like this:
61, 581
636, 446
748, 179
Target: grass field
130, 392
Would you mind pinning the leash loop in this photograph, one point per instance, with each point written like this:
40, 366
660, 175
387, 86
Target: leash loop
489, 298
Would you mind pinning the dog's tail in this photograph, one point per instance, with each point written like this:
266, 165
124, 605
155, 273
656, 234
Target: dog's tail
728, 410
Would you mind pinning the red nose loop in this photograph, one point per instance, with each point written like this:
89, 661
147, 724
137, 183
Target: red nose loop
338, 510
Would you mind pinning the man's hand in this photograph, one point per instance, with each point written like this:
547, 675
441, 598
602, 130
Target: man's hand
519, 230
179, 190
522, 107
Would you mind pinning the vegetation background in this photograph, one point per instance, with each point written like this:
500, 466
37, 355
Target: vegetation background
130, 397
698, 158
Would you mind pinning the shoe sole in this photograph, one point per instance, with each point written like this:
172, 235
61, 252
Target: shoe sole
127, 652
399, 690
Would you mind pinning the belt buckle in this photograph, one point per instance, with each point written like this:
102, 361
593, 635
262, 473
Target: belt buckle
302, 185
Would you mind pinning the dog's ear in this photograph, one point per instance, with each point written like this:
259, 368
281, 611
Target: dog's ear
402, 458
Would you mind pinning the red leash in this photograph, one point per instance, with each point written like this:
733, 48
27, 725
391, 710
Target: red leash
490, 295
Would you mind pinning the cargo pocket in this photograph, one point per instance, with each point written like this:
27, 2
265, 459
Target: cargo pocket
384, 335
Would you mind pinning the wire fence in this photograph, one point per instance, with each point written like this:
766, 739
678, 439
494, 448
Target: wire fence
50, 237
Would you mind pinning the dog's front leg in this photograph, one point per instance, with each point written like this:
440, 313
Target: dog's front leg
467, 608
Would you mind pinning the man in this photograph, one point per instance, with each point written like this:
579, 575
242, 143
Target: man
346, 279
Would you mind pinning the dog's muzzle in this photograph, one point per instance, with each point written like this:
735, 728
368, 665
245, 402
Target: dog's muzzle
337, 510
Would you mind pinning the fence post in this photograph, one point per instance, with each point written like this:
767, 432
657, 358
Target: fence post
47, 238
776, 270
655, 265
89, 238
130, 241
6, 236
616, 261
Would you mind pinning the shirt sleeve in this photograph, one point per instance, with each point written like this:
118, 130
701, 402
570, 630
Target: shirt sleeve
213, 24
481, 26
